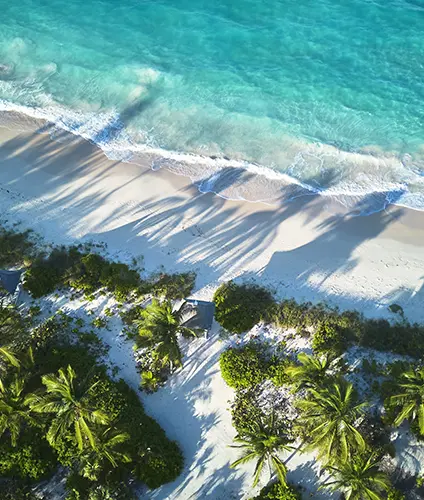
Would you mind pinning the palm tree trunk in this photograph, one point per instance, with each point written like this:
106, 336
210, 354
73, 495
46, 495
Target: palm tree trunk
299, 448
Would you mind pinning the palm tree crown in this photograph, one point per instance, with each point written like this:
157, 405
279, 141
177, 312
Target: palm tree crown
67, 400
328, 417
159, 329
311, 372
14, 412
108, 451
263, 444
409, 400
359, 478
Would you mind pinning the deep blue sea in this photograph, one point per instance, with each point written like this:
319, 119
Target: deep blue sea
250, 98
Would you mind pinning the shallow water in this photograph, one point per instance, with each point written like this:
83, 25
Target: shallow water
326, 93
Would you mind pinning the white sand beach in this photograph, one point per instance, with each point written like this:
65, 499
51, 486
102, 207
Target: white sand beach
68, 191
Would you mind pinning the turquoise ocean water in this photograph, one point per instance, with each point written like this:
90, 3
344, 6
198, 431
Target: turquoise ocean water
250, 98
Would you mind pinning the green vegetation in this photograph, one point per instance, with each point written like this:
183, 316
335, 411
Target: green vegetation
173, 286
359, 478
16, 248
239, 307
328, 418
85, 271
326, 413
407, 402
58, 406
311, 372
243, 367
278, 491
159, 327
67, 411
263, 445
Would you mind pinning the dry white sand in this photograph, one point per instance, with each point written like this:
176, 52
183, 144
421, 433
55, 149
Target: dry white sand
68, 191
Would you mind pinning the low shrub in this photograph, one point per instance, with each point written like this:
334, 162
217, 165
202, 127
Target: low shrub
329, 338
87, 272
15, 247
32, 458
46, 274
278, 491
243, 367
13, 326
110, 488
402, 338
245, 412
240, 307
13, 489
174, 286
120, 280
277, 372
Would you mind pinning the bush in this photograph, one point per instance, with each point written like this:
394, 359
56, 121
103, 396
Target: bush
277, 491
240, 307
13, 326
120, 280
174, 286
15, 247
245, 412
156, 459
49, 273
402, 338
243, 367
329, 338
16, 490
31, 459
277, 372
87, 272
289, 314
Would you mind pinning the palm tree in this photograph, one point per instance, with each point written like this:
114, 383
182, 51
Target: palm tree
359, 478
311, 372
108, 451
68, 401
7, 356
263, 444
14, 412
328, 420
409, 400
159, 329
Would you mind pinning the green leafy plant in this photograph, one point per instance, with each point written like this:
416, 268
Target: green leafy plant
359, 478
15, 247
66, 400
328, 418
14, 412
310, 372
158, 329
243, 367
408, 400
278, 491
174, 286
329, 338
264, 445
240, 307
150, 381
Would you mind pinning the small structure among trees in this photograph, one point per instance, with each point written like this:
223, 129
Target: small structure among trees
10, 286
198, 315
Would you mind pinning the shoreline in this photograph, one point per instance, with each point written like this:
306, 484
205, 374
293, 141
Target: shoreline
236, 179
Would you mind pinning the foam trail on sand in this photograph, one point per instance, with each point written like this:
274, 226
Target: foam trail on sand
229, 178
